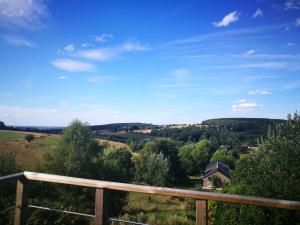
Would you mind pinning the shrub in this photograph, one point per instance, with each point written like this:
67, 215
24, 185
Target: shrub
29, 137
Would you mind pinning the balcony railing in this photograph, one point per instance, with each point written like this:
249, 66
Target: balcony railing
21, 207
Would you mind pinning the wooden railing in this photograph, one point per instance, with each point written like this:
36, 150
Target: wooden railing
22, 206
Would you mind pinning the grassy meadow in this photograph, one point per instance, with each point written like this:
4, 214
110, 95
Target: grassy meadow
146, 208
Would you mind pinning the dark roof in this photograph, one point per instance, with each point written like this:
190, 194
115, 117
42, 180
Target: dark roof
217, 167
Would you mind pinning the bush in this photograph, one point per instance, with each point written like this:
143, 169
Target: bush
29, 137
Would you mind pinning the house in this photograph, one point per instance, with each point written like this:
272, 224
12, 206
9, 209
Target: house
216, 170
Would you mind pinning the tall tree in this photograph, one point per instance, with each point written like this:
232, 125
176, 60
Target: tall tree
272, 171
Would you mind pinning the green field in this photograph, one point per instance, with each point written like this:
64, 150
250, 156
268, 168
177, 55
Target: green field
28, 154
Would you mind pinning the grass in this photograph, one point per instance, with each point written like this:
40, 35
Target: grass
159, 210
28, 154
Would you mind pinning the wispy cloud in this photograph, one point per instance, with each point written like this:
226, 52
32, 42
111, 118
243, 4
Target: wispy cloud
103, 54
18, 41
7, 94
244, 105
258, 13
298, 22
26, 14
228, 19
73, 65
292, 85
98, 79
181, 74
264, 65
62, 78
69, 48
103, 37
292, 4
249, 52
259, 92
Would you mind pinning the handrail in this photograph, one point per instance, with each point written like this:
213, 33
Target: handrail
10, 177
199, 195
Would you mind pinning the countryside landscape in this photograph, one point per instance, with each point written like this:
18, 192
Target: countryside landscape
149, 112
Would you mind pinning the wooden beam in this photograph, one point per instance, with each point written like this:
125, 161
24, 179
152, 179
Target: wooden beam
11, 177
201, 212
21, 211
198, 195
100, 210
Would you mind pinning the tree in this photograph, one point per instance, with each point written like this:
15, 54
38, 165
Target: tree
194, 157
169, 150
186, 158
117, 164
224, 156
153, 168
272, 171
29, 137
75, 151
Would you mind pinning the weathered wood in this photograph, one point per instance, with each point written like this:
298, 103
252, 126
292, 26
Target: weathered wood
200, 195
100, 211
201, 212
21, 211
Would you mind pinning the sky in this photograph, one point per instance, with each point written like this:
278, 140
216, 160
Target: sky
160, 62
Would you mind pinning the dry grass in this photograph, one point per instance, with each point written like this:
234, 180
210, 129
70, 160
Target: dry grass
157, 209
28, 154
112, 144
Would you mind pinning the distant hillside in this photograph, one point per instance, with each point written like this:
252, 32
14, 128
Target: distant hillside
114, 127
243, 124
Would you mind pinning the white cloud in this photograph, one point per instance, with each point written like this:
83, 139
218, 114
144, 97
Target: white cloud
86, 45
19, 115
62, 78
27, 14
103, 54
18, 41
258, 13
292, 4
249, 52
103, 37
291, 86
298, 22
99, 79
228, 19
73, 65
7, 94
244, 105
291, 44
69, 48
259, 92
181, 74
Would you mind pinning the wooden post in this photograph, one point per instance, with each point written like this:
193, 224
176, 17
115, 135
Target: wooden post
21, 211
201, 212
100, 214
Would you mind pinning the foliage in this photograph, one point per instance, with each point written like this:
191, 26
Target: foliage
74, 152
29, 137
153, 168
169, 150
224, 156
194, 157
117, 164
7, 190
2, 125
216, 181
273, 171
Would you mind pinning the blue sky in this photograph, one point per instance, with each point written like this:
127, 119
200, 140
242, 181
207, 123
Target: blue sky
147, 61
